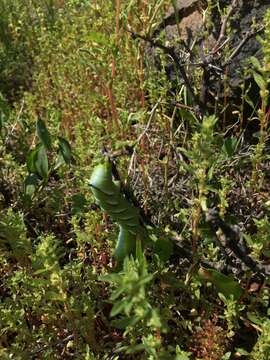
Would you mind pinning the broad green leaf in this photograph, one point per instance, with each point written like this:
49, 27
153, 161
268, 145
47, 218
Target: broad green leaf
65, 149
242, 352
123, 323
249, 102
254, 318
43, 134
78, 203
229, 146
30, 184
31, 159
225, 284
181, 354
260, 80
98, 37
163, 248
118, 307
255, 62
266, 253
227, 356
135, 348
154, 320
41, 162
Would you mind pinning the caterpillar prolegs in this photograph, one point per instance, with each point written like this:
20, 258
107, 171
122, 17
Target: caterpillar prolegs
109, 197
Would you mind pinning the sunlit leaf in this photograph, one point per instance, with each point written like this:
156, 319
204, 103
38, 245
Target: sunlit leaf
255, 62
225, 284
229, 146
260, 80
31, 159
43, 134
163, 248
78, 203
98, 37
65, 149
123, 323
41, 162
30, 184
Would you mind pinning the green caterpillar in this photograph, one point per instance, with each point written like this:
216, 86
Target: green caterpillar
109, 197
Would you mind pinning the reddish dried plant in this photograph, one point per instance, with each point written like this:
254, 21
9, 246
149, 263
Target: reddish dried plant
210, 341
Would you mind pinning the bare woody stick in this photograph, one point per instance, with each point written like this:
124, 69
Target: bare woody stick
199, 107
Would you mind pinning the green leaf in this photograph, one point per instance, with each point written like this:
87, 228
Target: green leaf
254, 318
260, 80
31, 159
242, 352
43, 134
123, 323
249, 102
135, 348
225, 284
255, 62
98, 37
154, 320
163, 248
118, 307
181, 354
171, 281
266, 253
65, 149
229, 146
227, 356
41, 162
78, 204
30, 184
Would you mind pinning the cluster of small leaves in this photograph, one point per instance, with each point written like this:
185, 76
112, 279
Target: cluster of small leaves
38, 165
64, 76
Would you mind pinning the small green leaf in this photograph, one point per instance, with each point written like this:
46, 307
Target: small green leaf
254, 318
181, 354
163, 248
259, 80
118, 307
30, 184
229, 146
255, 62
43, 134
135, 348
266, 253
123, 323
41, 162
249, 102
78, 203
225, 284
98, 38
154, 320
65, 149
242, 352
31, 159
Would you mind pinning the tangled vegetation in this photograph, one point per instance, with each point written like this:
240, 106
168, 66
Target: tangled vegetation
77, 85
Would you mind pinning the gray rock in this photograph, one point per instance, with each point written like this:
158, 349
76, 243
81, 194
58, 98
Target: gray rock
191, 32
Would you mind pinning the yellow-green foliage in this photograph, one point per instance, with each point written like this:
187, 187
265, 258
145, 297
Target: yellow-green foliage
69, 70
266, 40
262, 348
13, 239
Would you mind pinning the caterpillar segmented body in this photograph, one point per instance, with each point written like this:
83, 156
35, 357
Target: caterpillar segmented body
109, 197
